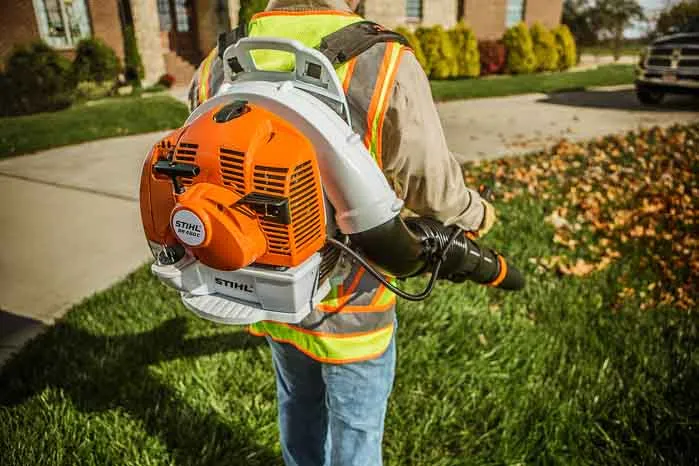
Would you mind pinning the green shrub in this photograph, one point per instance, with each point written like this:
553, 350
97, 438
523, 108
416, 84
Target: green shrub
520, 50
36, 79
133, 65
248, 8
95, 61
567, 51
545, 48
439, 52
415, 45
93, 90
465, 45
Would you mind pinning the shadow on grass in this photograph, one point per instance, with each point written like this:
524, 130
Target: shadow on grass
620, 100
99, 373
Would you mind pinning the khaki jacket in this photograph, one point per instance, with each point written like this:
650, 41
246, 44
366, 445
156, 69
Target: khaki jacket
416, 159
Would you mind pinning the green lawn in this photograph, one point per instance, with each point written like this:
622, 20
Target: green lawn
609, 75
87, 122
607, 50
581, 368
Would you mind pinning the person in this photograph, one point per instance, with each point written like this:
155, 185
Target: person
335, 369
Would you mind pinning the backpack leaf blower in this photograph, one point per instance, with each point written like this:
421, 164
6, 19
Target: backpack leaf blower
248, 207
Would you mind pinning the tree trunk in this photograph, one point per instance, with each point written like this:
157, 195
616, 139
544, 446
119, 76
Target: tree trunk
618, 37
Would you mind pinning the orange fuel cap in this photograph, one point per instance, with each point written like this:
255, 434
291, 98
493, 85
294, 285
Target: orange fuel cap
219, 233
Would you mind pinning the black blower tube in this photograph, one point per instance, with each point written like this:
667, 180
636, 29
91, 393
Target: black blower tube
409, 248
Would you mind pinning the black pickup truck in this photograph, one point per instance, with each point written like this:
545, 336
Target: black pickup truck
670, 65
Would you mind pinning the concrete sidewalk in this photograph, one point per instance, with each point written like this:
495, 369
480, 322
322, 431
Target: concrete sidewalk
70, 227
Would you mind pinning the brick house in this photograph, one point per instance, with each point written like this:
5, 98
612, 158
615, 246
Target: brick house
173, 35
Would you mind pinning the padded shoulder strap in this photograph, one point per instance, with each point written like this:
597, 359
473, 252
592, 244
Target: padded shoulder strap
225, 39
344, 44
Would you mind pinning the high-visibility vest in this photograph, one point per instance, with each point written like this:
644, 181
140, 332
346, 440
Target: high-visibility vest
355, 322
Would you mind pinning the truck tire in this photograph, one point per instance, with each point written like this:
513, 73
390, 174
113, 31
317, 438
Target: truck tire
649, 97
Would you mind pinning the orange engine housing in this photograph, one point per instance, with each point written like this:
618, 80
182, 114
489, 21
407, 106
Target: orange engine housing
246, 153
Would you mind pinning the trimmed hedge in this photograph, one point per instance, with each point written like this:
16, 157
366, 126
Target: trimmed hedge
248, 8
36, 79
95, 61
567, 50
439, 52
493, 56
545, 48
414, 44
465, 46
520, 50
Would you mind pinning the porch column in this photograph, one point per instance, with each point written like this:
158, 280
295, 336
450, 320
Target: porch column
233, 10
146, 26
387, 13
207, 24
442, 12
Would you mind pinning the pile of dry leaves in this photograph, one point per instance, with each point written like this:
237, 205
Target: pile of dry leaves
633, 193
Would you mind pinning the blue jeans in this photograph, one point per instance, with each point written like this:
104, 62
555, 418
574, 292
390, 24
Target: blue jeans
331, 415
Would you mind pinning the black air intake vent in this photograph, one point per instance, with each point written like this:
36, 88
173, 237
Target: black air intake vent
186, 153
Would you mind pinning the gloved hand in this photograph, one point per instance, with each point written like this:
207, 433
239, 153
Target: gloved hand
488, 219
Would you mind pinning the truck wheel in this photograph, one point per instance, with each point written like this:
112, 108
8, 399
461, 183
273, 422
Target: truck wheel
648, 97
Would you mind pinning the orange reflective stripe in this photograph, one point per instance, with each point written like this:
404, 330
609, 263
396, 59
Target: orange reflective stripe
303, 13
342, 297
382, 297
338, 336
389, 85
289, 341
373, 106
503, 272
368, 308
348, 76
205, 76
329, 347
380, 98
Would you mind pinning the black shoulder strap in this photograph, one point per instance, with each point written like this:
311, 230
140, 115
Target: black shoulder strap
226, 39
343, 45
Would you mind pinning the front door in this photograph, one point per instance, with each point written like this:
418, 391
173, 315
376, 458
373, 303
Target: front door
178, 23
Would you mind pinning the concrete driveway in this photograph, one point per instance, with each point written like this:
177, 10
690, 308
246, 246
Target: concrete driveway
490, 128
70, 216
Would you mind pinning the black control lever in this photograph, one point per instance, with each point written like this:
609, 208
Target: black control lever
176, 170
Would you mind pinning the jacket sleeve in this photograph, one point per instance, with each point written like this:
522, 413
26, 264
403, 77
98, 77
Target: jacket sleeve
415, 156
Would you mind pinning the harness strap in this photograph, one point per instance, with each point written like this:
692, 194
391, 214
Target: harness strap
351, 41
225, 39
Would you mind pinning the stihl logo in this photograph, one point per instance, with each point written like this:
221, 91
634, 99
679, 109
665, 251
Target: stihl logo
180, 225
189, 228
234, 285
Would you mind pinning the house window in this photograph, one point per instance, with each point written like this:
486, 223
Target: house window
164, 15
515, 12
413, 9
175, 13
62, 23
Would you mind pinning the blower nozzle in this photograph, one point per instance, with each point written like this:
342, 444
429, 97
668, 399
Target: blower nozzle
418, 245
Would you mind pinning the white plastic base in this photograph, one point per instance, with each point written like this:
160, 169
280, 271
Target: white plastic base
247, 295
